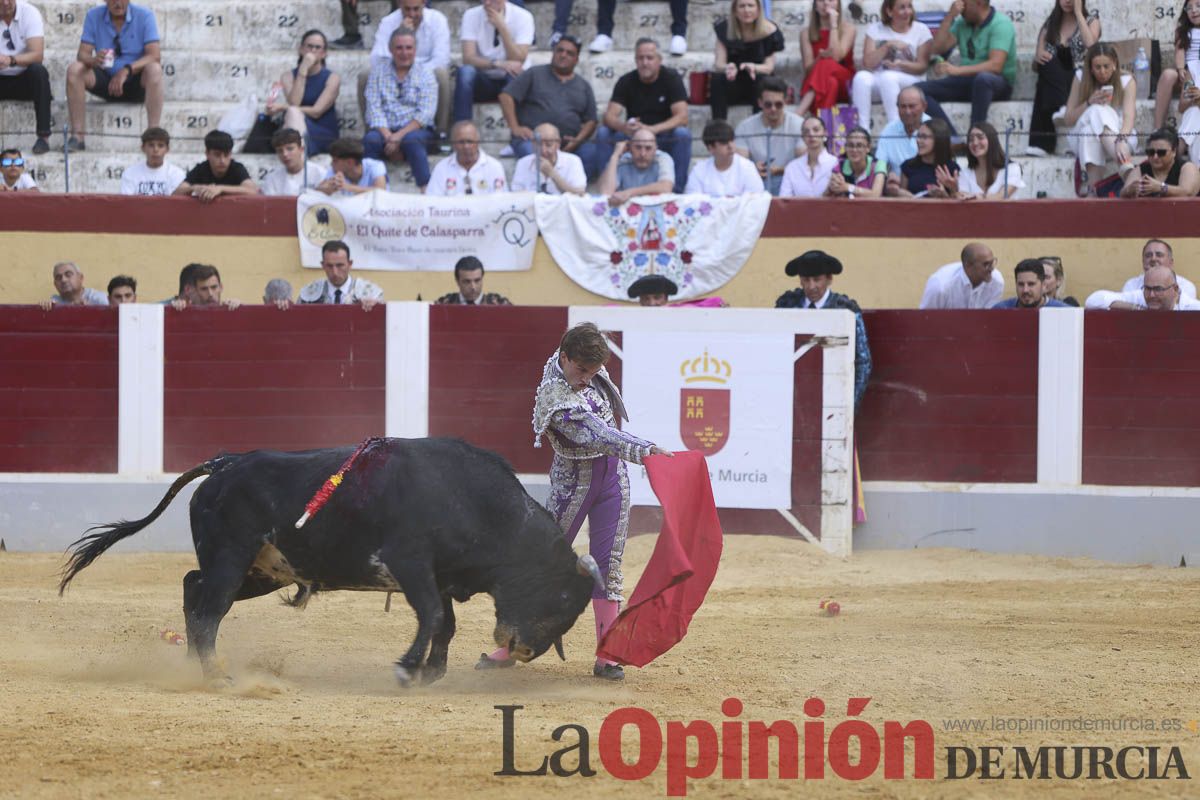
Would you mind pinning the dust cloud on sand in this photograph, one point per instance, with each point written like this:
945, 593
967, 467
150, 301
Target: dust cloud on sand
95, 704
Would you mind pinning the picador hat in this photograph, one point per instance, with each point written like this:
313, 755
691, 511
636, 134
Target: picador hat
652, 284
812, 264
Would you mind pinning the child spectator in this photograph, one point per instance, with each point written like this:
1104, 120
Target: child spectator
725, 174
152, 177
349, 172
860, 173
294, 175
828, 52
12, 167
219, 173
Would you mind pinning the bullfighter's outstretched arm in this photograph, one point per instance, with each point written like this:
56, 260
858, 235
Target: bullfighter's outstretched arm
586, 429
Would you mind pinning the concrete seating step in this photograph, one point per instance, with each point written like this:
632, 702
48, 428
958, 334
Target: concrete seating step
100, 172
258, 25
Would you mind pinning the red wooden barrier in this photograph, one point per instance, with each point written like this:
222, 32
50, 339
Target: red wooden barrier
953, 397
484, 365
311, 376
1141, 378
58, 389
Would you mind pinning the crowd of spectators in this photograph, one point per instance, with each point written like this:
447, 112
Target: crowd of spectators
407, 98
975, 281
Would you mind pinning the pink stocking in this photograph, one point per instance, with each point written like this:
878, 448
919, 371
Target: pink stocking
606, 613
499, 655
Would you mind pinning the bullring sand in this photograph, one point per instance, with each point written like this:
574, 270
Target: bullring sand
95, 704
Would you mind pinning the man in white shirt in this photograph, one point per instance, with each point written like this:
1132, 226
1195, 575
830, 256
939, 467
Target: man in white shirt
469, 170
549, 170
294, 175
22, 74
973, 282
153, 177
338, 287
433, 51
725, 174
1157, 253
1159, 292
496, 37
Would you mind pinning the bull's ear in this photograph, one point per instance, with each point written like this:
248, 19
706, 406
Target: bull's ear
587, 566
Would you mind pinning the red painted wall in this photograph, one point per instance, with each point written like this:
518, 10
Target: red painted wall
484, 365
1141, 378
311, 376
58, 389
276, 216
953, 397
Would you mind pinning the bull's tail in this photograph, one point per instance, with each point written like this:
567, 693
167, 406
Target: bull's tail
91, 546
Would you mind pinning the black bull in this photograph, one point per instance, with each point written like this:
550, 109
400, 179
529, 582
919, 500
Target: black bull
437, 519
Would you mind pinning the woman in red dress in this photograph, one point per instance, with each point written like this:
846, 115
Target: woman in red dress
828, 52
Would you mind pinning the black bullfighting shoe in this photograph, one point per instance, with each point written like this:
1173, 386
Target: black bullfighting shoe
608, 672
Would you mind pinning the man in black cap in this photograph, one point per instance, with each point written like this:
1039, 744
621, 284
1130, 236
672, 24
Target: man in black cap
652, 290
816, 269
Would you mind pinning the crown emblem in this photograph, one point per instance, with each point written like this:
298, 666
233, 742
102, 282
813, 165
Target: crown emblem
705, 369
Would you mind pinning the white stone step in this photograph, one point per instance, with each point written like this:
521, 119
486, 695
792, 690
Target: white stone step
100, 172
262, 25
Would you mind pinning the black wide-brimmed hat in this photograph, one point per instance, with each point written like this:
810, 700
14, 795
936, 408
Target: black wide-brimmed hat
652, 284
812, 264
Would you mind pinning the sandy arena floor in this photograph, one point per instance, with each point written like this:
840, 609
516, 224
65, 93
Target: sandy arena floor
93, 704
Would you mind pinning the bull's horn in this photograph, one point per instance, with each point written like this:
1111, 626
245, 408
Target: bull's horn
587, 566
558, 649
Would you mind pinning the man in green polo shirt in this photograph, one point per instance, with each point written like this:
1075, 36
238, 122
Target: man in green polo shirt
987, 44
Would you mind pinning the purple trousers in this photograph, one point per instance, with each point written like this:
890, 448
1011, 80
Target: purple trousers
596, 489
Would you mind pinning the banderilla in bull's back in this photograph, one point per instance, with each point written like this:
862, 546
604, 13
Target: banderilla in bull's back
376, 517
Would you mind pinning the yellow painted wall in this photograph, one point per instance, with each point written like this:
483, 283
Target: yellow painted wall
880, 273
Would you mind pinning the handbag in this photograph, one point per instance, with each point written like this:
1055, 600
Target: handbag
698, 88
259, 138
839, 121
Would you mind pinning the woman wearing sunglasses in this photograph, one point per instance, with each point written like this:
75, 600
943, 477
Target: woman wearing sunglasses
1163, 174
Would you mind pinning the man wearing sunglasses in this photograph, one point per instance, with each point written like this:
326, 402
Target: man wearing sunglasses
496, 36
119, 61
22, 74
770, 137
987, 45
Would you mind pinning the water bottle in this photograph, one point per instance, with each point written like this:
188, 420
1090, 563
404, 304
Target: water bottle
1141, 74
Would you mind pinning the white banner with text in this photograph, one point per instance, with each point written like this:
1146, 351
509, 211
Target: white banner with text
388, 231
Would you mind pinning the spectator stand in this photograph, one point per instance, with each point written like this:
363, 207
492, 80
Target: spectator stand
216, 53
